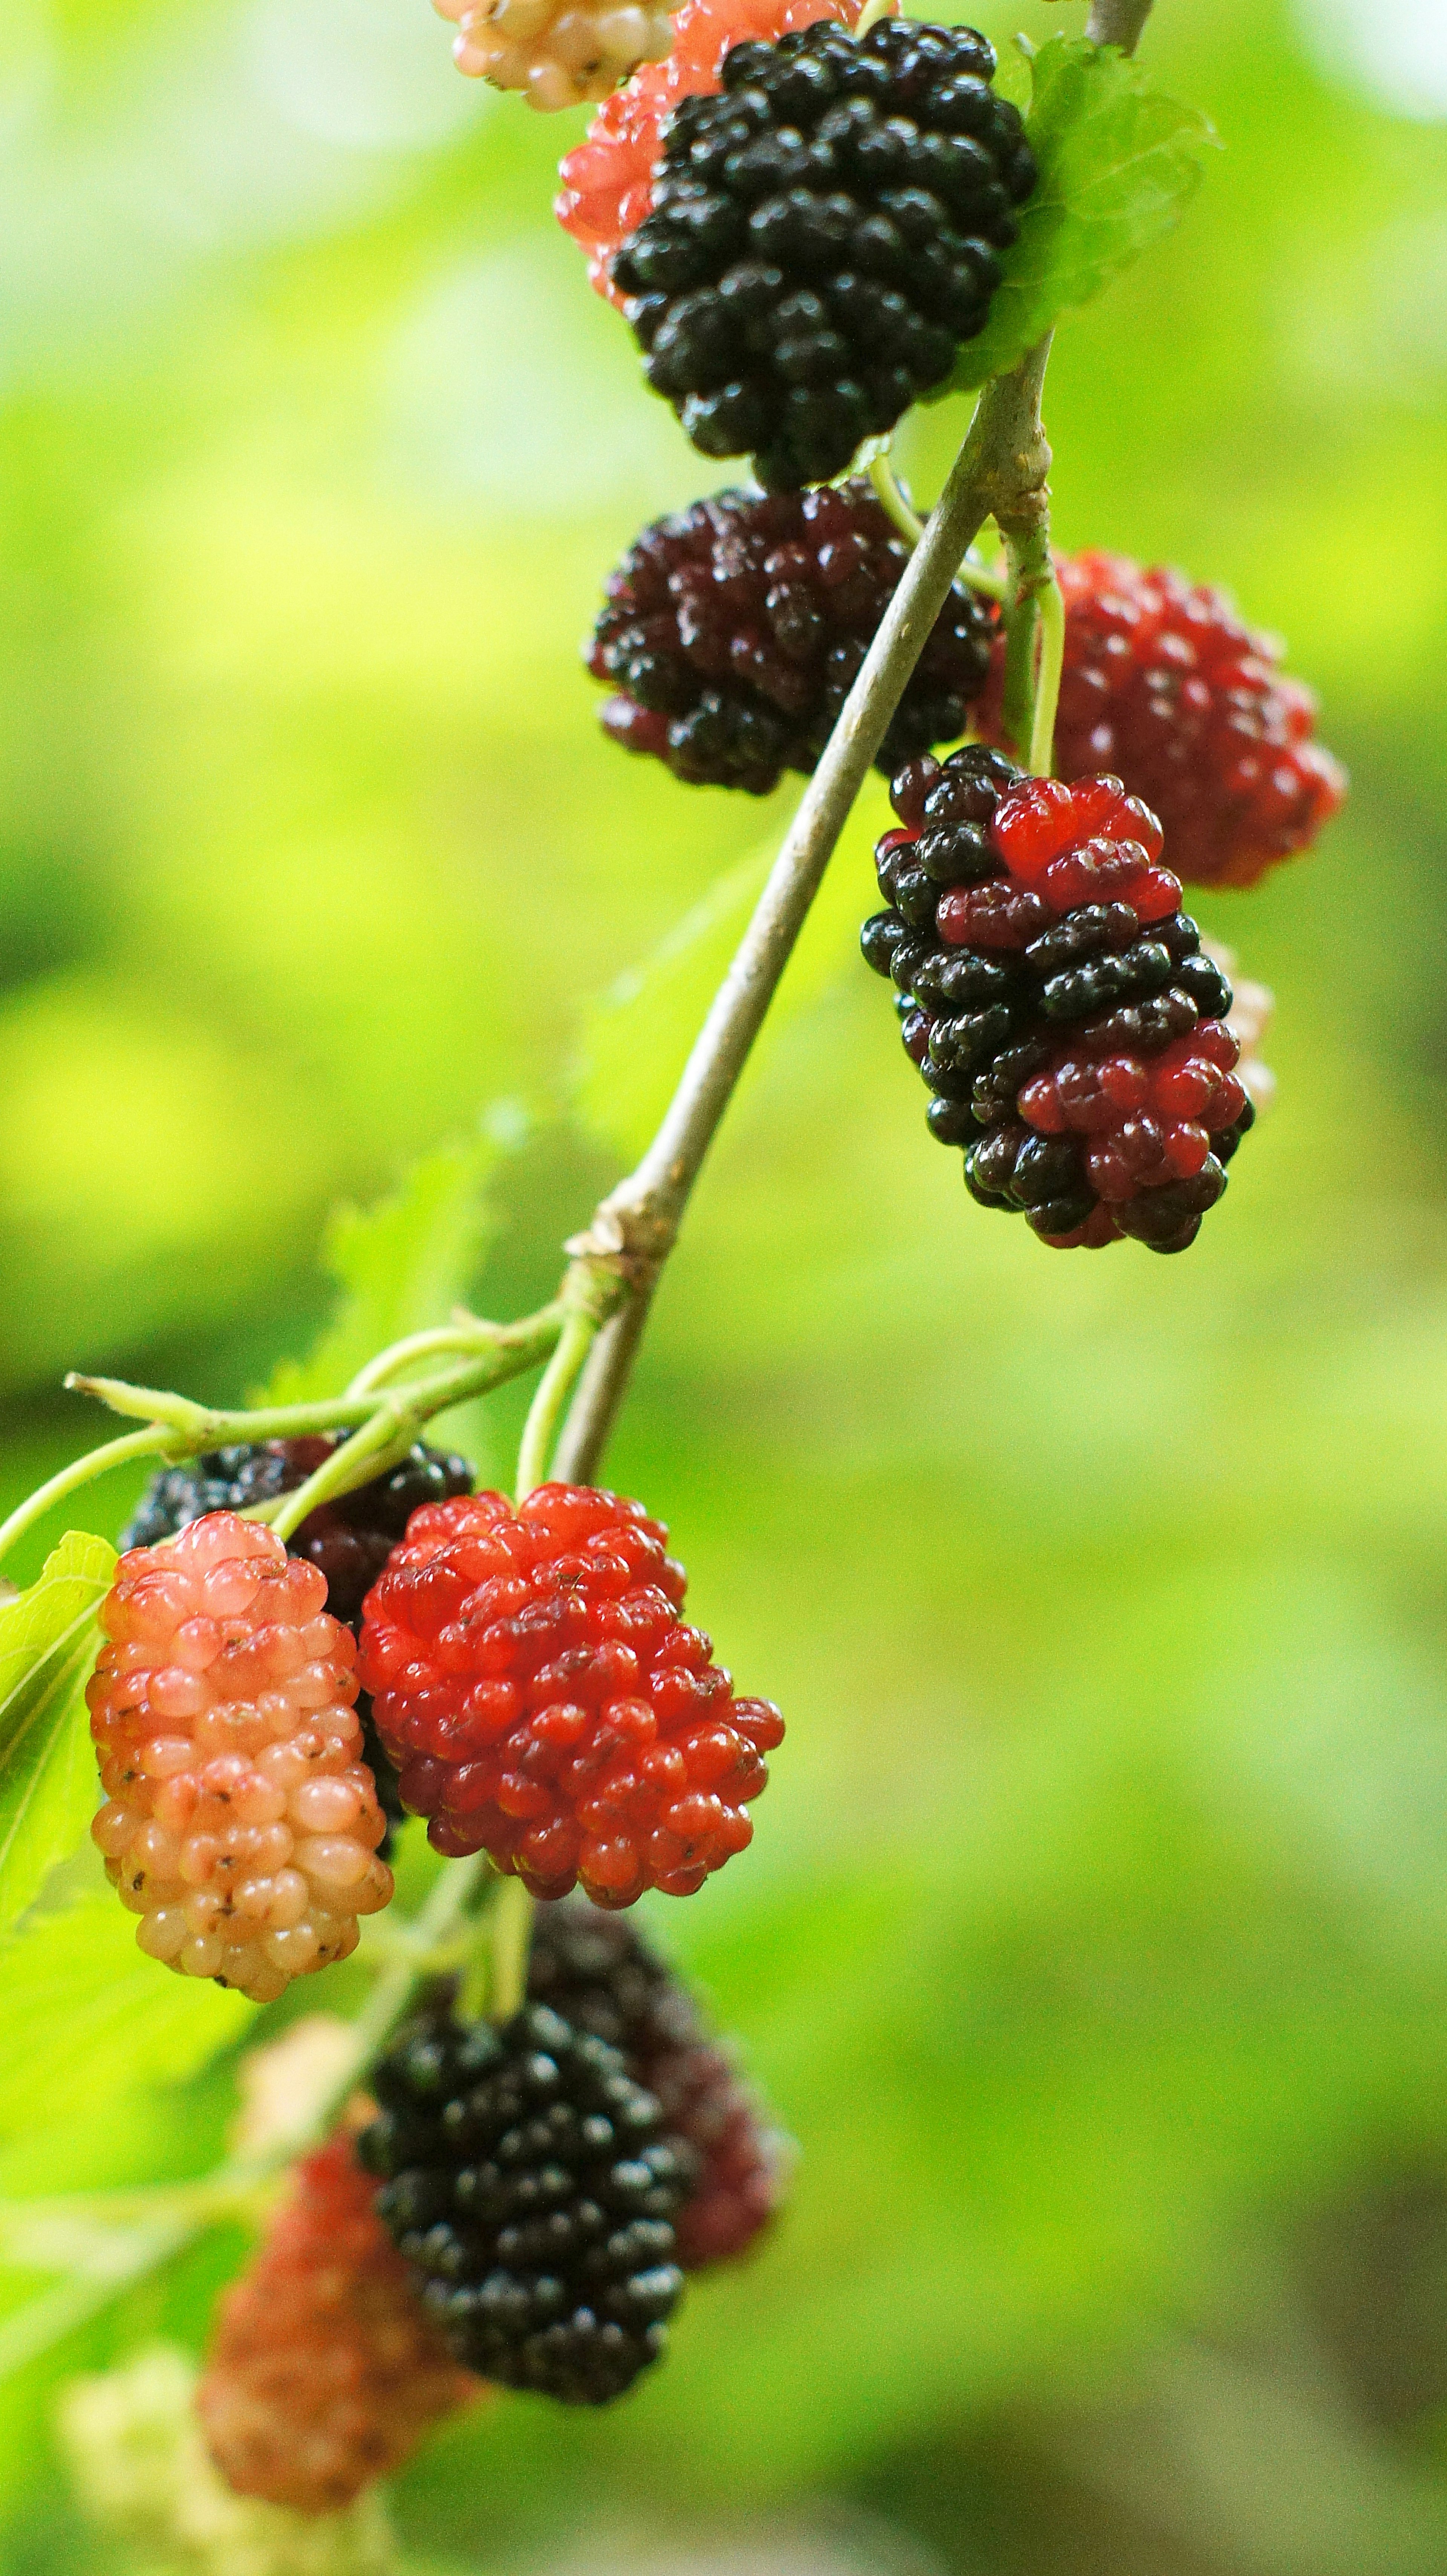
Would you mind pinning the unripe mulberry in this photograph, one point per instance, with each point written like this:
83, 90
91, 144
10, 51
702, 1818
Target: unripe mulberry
608, 178
325, 2371
735, 631
1056, 1001
350, 1537
1165, 686
543, 1700
823, 236
556, 52
527, 2179
600, 1974
241, 1824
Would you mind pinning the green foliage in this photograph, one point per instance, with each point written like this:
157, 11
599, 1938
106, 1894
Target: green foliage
1118, 162
401, 1266
48, 1642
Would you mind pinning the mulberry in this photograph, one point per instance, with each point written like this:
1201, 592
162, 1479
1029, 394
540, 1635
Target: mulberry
608, 178
555, 51
1165, 686
350, 1538
1057, 1002
241, 1824
822, 238
602, 1977
527, 2179
734, 633
325, 2371
543, 1700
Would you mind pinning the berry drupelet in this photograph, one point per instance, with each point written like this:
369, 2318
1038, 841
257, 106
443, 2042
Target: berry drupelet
822, 237
349, 1539
528, 2181
325, 2371
240, 1822
1165, 686
735, 630
556, 51
599, 1973
1056, 1001
544, 1701
608, 178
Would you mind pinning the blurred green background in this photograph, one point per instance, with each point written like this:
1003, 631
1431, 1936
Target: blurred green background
1093, 1944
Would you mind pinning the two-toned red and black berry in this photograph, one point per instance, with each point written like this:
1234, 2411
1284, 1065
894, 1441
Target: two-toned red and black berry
735, 630
1056, 1001
529, 2182
1165, 685
544, 1701
601, 1975
350, 1539
822, 237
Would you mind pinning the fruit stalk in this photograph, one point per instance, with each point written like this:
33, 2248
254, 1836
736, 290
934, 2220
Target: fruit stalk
1000, 472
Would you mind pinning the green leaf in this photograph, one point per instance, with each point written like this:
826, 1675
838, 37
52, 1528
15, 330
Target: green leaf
48, 1642
401, 1265
1118, 163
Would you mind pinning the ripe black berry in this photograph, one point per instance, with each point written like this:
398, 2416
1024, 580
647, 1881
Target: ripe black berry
823, 235
528, 2180
1056, 1001
350, 1539
735, 630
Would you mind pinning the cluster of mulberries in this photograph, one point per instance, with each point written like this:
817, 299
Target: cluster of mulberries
349, 1539
599, 1973
821, 238
529, 2182
240, 1822
557, 52
1056, 1001
543, 1700
325, 2371
735, 630
1165, 686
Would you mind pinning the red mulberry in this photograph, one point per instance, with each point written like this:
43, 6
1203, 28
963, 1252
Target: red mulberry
240, 1823
543, 1700
608, 178
734, 633
1165, 686
602, 1977
1057, 1002
325, 2371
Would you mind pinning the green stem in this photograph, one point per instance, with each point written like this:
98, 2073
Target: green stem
155, 1440
540, 1431
890, 492
1047, 682
512, 1932
380, 1444
1035, 645
464, 1335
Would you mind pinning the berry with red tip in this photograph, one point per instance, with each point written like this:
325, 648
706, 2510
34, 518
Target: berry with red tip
735, 630
544, 1701
350, 1538
1056, 1001
601, 1975
822, 238
240, 1822
608, 178
325, 2371
528, 2181
1164, 685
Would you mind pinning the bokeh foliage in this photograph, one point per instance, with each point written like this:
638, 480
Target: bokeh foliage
1094, 1940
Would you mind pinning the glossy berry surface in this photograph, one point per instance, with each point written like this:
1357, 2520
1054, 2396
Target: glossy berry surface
735, 630
823, 235
556, 52
527, 2179
350, 1538
240, 1822
1165, 686
608, 178
600, 1974
325, 2371
543, 1700
1056, 1001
